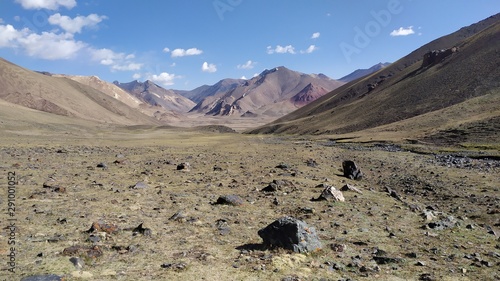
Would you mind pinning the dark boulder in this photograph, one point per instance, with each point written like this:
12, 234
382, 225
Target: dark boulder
292, 234
351, 170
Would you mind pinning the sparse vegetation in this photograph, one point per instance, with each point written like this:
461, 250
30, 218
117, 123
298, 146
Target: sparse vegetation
373, 235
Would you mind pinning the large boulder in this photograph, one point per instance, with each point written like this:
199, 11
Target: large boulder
351, 170
292, 234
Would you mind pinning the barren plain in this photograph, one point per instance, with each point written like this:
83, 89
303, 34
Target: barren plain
112, 205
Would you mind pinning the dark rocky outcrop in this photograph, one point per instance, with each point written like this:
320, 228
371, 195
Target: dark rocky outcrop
437, 56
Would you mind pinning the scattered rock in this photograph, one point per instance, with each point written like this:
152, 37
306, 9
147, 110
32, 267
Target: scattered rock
47, 277
83, 251
311, 163
385, 260
349, 187
141, 230
330, 193
278, 185
222, 227
427, 277
393, 193
428, 215
291, 233
178, 216
120, 161
185, 166
175, 266
100, 226
448, 222
283, 166
338, 247
102, 165
94, 238
233, 200
77, 262
139, 185
351, 170
54, 186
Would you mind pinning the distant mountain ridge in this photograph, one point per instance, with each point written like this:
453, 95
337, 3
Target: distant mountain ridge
155, 95
198, 94
272, 92
358, 73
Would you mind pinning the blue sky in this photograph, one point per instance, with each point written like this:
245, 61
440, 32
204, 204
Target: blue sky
183, 44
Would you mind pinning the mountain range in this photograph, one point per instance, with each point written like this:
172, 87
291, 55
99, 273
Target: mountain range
443, 90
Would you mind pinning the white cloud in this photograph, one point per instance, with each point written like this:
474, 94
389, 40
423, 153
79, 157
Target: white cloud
173, 64
76, 24
206, 67
47, 45
166, 50
9, 35
136, 76
403, 31
315, 35
164, 78
281, 50
116, 61
243, 77
51, 46
127, 66
47, 4
1, 20
309, 50
189, 52
248, 65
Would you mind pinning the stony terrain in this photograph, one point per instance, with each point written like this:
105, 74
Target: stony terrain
120, 207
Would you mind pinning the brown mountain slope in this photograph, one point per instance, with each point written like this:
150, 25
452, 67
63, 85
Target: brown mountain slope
272, 93
63, 96
155, 95
109, 89
405, 92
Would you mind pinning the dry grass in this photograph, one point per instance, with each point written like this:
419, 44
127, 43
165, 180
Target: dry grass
362, 223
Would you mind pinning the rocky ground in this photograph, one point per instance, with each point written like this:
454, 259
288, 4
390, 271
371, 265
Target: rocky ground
124, 208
